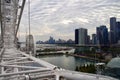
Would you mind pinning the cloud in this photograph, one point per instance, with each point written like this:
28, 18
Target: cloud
82, 20
61, 17
66, 21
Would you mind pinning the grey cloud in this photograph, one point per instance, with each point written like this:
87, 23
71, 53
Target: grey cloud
50, 13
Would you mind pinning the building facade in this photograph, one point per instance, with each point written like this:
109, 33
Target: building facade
118, 31
76, 36
102, 35
81, 36
113, 31
88, 40
94, 39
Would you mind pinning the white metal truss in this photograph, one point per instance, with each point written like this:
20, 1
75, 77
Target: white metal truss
17, 65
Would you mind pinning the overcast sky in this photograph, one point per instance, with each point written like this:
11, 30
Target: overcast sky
59, 18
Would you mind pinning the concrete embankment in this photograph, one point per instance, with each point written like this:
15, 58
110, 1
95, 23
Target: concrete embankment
87, 57
49, 53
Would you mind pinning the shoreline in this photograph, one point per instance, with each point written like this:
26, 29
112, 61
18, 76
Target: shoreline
86, 57
75, 55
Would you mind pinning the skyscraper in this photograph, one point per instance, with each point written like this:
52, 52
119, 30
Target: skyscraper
118, 31
88, 39
94, 39
81, 36
102, 35
113, 30
76, 36
51, 40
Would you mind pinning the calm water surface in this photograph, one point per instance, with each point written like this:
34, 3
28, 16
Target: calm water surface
64, 61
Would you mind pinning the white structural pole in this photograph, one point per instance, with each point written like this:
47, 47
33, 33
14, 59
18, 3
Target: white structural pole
57, 77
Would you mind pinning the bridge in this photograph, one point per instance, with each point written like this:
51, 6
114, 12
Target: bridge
17, 65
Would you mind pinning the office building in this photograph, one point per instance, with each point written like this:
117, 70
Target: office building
94, 39
102, 35
118, 31
76, 36
113, 31
51, 40
88, 40
81, 36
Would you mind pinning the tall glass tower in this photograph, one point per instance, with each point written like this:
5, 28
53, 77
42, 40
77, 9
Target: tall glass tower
81, 36
113, 30
102, 35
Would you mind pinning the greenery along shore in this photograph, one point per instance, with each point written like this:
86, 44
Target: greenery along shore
87, 57
86, 68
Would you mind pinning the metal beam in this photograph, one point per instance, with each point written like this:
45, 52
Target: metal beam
1, 53
43, 63
19, 20
17, 66
25, 62
1, 44
12, 58
15, 60
25, 72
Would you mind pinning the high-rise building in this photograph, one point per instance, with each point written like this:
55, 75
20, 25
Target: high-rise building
88, 39
51, 40
109, 36
113, 30
81, 36
102, 35
118, 31
112, 23
76, 36
94, 39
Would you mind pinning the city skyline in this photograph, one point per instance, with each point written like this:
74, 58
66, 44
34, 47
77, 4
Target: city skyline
102, 35
59, 18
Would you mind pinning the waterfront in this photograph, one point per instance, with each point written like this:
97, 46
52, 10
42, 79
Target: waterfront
77, 59
64, 61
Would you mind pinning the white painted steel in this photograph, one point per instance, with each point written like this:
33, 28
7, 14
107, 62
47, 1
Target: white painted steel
17, 65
